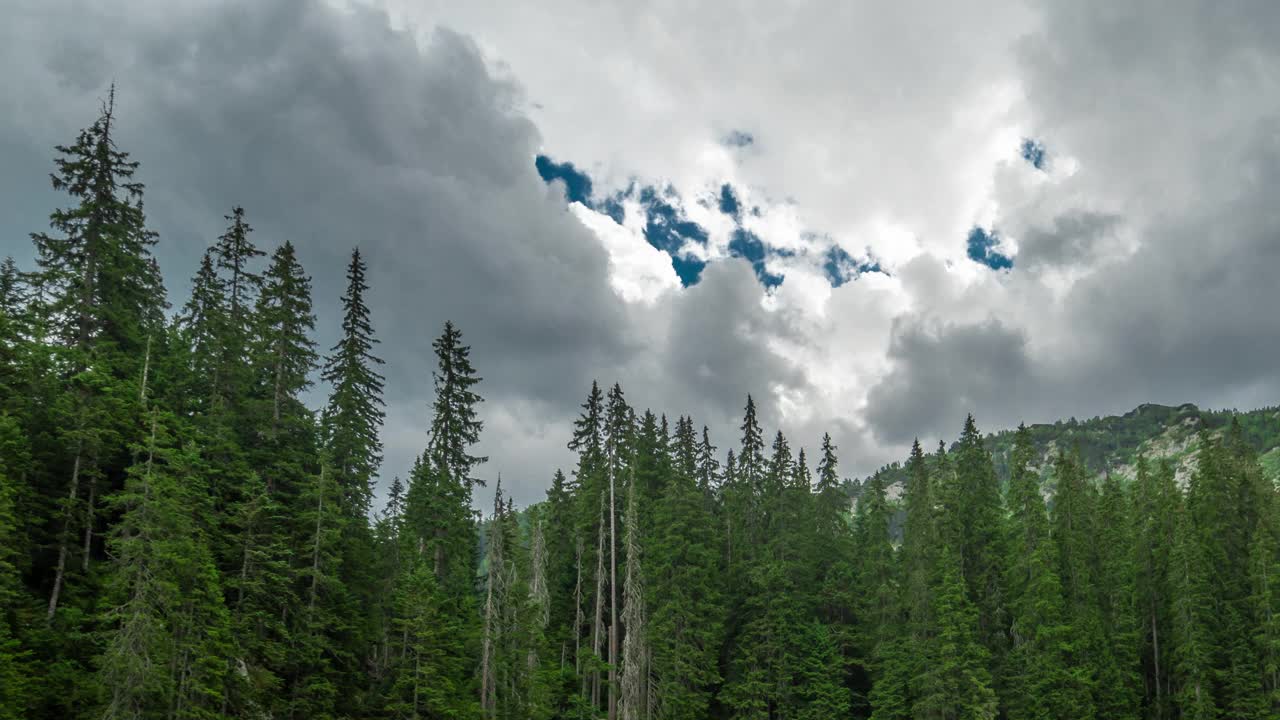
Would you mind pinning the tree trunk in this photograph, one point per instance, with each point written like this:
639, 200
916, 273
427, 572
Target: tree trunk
59, 576
88, 523
146, 368
439, 559
613, 599
635, 650
278, 391
577, 610
597, 627
417, 678
492, 609
315, 550
1155, 639
487, 704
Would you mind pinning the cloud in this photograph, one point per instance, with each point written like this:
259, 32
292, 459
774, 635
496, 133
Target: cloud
1069, 240
942, 372
1123, 160
333, 130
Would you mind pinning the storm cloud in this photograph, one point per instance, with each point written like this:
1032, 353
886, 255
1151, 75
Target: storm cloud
1143, 243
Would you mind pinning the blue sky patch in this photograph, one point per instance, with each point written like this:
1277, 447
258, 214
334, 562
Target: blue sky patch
982, 246
613, 208
729, 204
577, 186
1033, 152
748, 246
840, 267
739, 139
668, 230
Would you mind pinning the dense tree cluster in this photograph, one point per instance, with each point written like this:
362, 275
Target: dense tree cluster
182, 537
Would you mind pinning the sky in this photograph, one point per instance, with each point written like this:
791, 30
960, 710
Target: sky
873, 217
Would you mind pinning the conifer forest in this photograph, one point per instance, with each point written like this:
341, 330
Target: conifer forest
182, 536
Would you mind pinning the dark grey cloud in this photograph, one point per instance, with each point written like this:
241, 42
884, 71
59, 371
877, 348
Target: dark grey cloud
1172, 111
334, 130
1166, 232
1069, 239
715, 358
940, 373
1146, 247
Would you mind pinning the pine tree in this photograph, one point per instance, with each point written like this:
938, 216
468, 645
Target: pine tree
233, 255
203, 324
686, 619
261, 593
455, 426
741, 492
323, 667
511, 685
877, 579
104, 293
539, 589
10, 288
708, 467
1074, 531
285, 354
1222, 503
820, 694
1193, 621
1265, 600
12, 332
439, 500
751, 462
900, 662
590, 479
14, 672
169, 636
350, 426
1041, 677
635, 692
434, 678
876, 567
619, 431
652, 462
766, 657
1156, 502
100, 298
437, 605
956, 684
1119, 693
494, 607
282, 441
560, 559
832, 550
386, 571
354, 414
976, 516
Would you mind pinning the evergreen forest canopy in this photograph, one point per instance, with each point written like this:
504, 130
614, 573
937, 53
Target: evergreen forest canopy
182, 537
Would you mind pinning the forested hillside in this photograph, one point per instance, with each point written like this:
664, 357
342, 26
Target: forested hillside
181, 536
1113, 444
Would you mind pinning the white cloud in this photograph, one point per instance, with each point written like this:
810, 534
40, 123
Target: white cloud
1144, 250
638, 271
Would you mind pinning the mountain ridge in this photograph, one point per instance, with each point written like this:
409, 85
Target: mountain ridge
1112, 443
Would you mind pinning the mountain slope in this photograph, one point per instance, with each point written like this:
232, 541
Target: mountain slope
1112, 444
